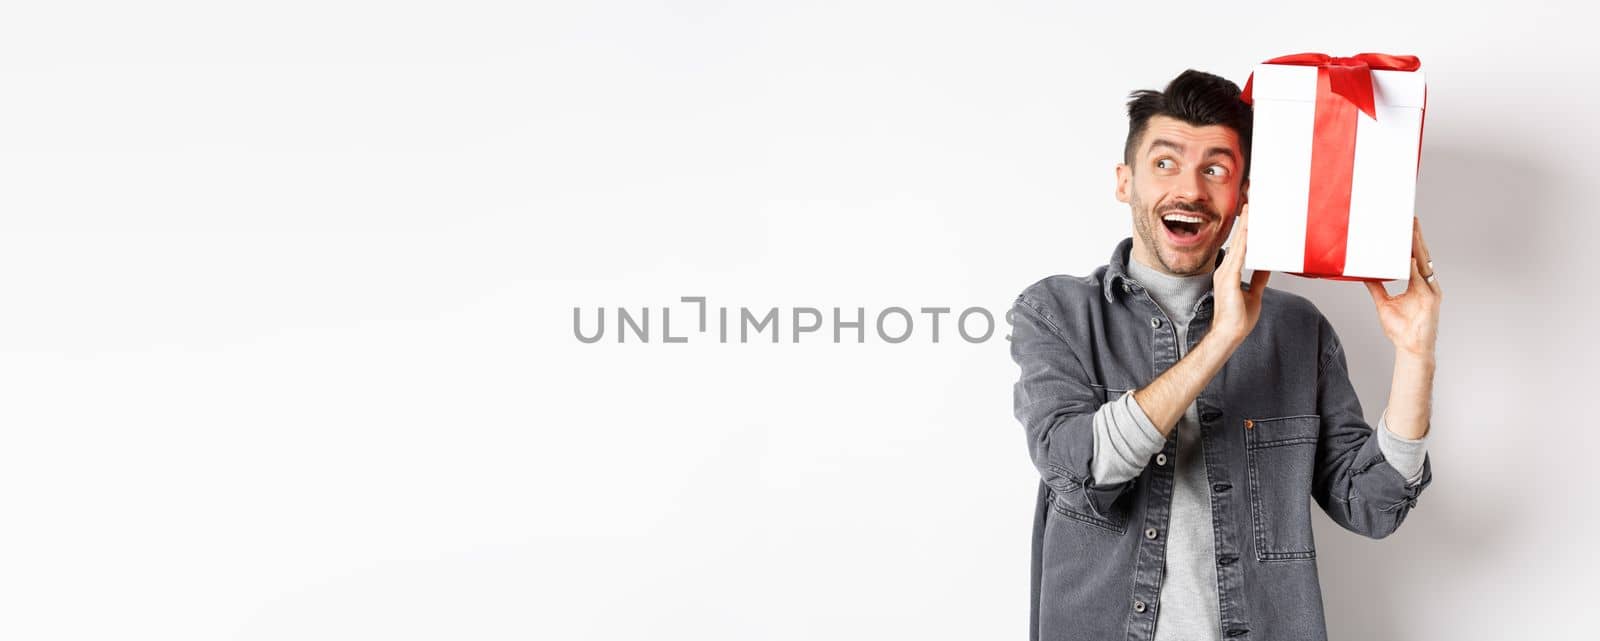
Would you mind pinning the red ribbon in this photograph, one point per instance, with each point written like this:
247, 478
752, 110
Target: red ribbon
1344, 88
1349, 77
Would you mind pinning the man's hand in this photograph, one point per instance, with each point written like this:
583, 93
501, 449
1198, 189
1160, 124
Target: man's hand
1411, 318
1237, 310
1411, 321
1165, 399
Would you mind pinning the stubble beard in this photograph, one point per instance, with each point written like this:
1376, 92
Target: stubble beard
1152, 232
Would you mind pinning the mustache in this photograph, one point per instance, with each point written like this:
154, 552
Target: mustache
1188, 207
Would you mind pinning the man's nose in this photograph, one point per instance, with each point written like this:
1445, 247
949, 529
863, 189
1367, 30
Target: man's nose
1189, 186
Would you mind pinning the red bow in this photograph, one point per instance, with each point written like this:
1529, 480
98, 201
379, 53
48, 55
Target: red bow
1348, 77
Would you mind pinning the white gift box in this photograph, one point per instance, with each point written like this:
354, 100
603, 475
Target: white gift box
1301, 166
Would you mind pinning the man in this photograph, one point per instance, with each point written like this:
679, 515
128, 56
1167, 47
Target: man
1179, 417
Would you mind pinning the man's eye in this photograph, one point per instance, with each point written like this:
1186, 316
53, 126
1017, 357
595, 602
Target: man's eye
1165, 163
1217, 170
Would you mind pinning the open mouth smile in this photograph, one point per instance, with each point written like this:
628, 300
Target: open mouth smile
1184, 229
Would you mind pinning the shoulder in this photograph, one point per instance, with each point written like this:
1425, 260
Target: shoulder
1290, 306
1063, 295
1297, 319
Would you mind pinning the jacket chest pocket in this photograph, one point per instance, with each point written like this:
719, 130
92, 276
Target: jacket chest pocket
1282, 456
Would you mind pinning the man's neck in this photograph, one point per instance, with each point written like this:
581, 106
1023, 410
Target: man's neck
1176, 295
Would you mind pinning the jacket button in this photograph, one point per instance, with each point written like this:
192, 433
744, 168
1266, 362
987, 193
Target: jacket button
1150, 533
1248, 424
1155, 322
1161, 459
1138, 606
1210, 416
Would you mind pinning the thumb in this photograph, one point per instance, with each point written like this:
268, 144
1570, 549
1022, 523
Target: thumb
1380, 295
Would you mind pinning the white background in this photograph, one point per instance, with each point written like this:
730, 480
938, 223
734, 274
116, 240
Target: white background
286, 312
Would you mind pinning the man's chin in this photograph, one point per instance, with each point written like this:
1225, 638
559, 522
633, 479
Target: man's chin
1188, 261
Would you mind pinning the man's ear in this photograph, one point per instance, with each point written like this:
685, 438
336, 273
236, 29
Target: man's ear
1244, 191
1124, 180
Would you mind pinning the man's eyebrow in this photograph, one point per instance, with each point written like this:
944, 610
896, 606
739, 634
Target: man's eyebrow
1162, 142
1178, 147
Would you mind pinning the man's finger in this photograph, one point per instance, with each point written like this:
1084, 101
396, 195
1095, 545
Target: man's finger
1379, 294
1416, 282
1244, 225
1234, 261
1426, 255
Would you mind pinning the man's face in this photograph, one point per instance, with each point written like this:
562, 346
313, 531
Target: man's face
1180, 170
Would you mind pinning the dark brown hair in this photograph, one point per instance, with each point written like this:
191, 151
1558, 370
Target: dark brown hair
1194, 97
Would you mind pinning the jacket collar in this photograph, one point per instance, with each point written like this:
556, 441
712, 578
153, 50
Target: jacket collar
1117, 267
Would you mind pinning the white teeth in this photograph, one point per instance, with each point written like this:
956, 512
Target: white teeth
1182, 218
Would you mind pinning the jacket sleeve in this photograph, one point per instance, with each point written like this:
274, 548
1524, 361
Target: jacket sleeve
1353, 483
1058, 409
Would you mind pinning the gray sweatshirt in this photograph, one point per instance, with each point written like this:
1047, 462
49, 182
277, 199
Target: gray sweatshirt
1125, 440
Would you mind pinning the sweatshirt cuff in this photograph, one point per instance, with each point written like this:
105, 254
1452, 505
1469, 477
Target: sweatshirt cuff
1124, 441
1403, 454
1152, 437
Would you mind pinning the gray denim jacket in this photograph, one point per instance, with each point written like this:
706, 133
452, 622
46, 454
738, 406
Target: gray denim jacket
1280, 422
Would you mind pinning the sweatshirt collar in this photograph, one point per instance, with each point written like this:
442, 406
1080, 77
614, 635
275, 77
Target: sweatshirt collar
1117, 269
